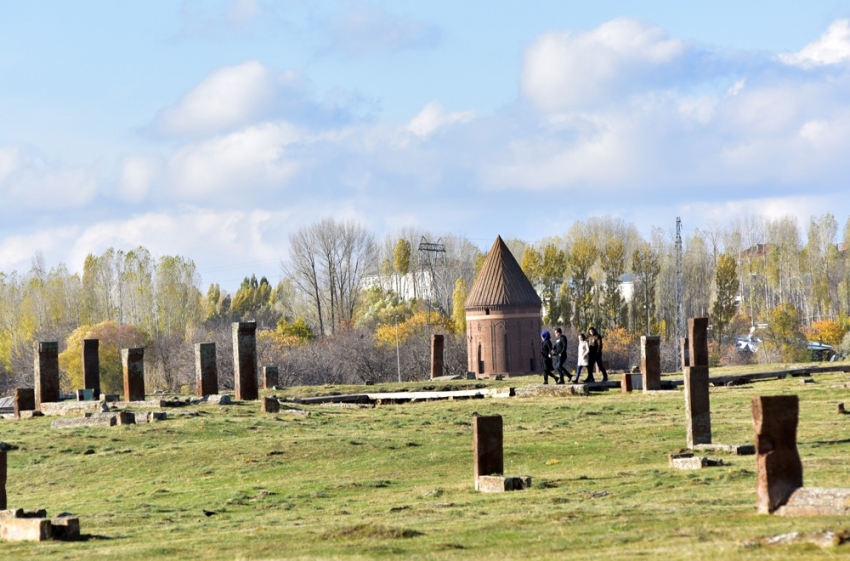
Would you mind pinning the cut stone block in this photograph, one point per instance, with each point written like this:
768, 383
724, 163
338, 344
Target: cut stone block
24, 401
66, 528
697, 406
206, 370
270, 377
437, 346
91, 366
219, 399
269, 405
736, 449
488, 454
245, 360
107, 421
121, 417
816, 502
626, 383
142, 404
650, 362
698, 341
694, 462
30, 414
64, 408
25, 529
144, 417
46, 372
133, 361
780, 471
499, 484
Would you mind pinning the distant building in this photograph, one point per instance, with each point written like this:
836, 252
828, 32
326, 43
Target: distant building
503, 318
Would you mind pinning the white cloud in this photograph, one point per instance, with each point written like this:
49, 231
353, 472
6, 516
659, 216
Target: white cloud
833, 47
16, 251
27, 181
433, 117
201, 18
229, 97
137, 175
364, 29
566, 70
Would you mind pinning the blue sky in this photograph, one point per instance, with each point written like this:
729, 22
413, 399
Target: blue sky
214, 129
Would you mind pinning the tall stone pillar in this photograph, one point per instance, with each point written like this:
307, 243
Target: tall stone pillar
245, 360
697, 405
206, 371
91, 366
650, 363
46, 373
133, 362
24, 400
3, 473
698, 341
487, 442
436, 355
270, 377
780, 471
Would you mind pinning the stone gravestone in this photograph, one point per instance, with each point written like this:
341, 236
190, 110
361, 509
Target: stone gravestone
436, 355
206, 370
245, 360
46, 372
650, 363
24, 401
685, 353
91, 366
697, 402
3, 471
780, 471
270, 376
487, 446
133, 362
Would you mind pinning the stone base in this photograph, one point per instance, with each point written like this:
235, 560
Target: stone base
217, 399
25, 529
689, 461
30, 414
73, 408
65, 528
499, 484
736, 449
816, 502
143, 417
269, 405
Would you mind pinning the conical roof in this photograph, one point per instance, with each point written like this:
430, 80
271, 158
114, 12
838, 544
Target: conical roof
501, 282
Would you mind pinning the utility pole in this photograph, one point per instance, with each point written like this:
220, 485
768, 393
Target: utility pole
397, 354
680, 293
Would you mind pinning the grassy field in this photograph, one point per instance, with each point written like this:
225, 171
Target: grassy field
396, 480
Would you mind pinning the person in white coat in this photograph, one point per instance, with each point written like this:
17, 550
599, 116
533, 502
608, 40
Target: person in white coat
583, 354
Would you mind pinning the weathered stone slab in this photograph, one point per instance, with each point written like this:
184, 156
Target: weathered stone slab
4, 470
30, 414
142, 404
24, 401
46, 366
121, 417
812, 501
25, 529
650, 363
144, 417
698, 341
108, 421
694, 462
557, 390
780, 471
269, 405
437, 355
499, 484
736, 449
133, 361
206, 370
91, 366
64, 408
488, 454
223, 399
697, 406
66, 528
270, 377
245, 360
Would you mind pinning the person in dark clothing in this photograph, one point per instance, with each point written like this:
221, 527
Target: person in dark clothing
546, 354
559, 350
594, 357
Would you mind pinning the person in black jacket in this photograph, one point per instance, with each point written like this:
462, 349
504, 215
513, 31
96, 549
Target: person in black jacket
546, 354
594, 357
559, 350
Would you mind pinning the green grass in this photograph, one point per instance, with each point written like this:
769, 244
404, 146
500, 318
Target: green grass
396, 480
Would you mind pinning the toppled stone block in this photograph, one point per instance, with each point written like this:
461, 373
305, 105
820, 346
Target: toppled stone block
500, 484
65, 528
63, 408
689, 461
106, 421
223, 399
143, 417
812, 501
296, 412
25, 529
121, 417
141, 404
30, 414
826, 538
737, 449
557, 390
269, 405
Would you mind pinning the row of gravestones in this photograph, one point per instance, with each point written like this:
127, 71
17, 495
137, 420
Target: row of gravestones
46, 366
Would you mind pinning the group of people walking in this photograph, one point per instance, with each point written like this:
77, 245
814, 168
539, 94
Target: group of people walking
589, 355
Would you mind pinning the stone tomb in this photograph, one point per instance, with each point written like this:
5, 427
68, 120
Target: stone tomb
133, 362
206, 371
24, 401
650, 363
245, 360
33, 525
271, 376
46, 372
437, 346
780, 472
488, 454
91, 366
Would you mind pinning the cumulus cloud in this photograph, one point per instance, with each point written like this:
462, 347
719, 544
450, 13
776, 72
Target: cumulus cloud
28, 181
201, 19
433, 117
833, 47
138, 173
364, 29
564, 70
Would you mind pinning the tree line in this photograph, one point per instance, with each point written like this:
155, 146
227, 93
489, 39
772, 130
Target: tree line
344, 299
